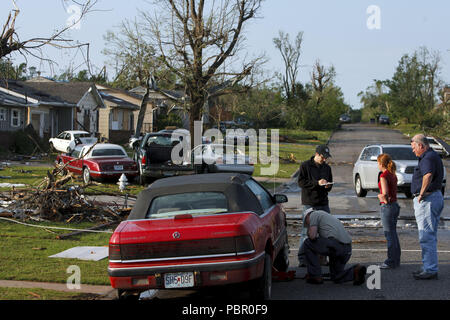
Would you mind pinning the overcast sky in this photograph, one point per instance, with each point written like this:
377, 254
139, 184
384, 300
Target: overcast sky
336, 32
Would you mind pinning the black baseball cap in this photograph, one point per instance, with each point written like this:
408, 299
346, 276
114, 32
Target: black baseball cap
323, 150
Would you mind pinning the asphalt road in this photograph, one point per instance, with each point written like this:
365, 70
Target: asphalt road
369, 246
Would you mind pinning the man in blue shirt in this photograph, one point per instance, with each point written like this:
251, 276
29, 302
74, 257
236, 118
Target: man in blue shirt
426, 186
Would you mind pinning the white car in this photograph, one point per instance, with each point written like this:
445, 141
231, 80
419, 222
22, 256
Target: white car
221, 158
436, 146
366, 172
62, 142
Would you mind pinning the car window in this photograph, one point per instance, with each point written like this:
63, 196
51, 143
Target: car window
160, 140
107, 152
76, 152
365, 154
67, 137
194, 203
82, 135
264, 198
397, 153
61, 135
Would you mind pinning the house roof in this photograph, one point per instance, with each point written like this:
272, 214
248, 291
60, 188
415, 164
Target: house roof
118, 102
7, 99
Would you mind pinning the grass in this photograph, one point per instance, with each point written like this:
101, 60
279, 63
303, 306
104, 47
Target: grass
42, 294
25, 251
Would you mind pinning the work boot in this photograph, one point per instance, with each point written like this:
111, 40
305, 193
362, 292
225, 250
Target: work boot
359, 275
313, 280
425, 276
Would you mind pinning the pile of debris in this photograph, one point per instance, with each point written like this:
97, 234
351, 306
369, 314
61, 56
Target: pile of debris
56, 200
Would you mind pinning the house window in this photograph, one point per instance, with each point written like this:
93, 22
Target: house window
15, 118
2, 114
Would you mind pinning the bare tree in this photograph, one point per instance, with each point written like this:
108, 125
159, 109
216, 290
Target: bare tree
290, 52
11, 42
199, 41
321, 77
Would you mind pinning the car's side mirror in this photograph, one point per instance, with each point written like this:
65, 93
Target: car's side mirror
373, 158
280, 198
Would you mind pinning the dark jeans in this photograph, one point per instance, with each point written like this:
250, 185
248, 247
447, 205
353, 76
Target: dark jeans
303, 236
389, 217
338, 254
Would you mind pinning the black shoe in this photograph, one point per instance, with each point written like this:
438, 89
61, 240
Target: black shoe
314, 280
417, 272
359, 275
425, 276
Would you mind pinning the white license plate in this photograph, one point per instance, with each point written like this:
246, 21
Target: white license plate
179, 280
118, 168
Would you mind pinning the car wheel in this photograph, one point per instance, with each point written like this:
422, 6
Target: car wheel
86, 175
408, 194
443, 190
262, 287
281, 262
360, 192
205, 169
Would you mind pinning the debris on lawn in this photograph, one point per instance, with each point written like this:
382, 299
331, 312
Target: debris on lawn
53, 199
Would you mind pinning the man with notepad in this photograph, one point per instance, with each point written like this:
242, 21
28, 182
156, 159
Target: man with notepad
316, 180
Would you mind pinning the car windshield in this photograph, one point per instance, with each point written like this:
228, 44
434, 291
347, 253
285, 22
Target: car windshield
193, 203
108, 152
160, 140
82, 135
431, 141
400, 153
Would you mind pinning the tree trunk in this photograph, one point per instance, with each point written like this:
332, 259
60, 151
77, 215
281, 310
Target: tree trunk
142, 112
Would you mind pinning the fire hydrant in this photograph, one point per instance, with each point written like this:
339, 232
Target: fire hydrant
123, 182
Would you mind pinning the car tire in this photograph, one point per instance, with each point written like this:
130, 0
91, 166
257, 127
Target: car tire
360, 192
443, 191
281, 262
205, 169
86, 175
262, 288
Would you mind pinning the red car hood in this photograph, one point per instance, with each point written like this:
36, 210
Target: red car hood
162, 230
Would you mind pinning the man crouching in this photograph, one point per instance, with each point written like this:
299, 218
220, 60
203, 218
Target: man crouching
328, 237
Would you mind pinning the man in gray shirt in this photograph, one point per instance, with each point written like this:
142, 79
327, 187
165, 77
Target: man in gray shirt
328, 237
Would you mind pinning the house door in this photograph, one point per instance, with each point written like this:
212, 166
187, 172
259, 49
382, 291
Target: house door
87, 120
37, 120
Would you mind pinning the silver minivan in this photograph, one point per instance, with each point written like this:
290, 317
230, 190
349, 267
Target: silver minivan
366, 172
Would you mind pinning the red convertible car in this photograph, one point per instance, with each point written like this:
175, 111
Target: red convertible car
199, 231
98, 162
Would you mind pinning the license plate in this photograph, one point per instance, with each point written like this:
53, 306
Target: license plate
117, 168
179, 280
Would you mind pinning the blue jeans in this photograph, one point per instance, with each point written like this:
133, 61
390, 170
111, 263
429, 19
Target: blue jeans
303, 236
389, 217
428, 213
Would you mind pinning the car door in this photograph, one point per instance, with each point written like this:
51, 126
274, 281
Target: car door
371, 169
271, 217
58, 141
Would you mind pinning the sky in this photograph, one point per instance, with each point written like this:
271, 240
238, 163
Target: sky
362, 45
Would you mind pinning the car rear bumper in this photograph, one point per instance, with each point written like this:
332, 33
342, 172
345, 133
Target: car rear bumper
205, 273
158, 172
112, 174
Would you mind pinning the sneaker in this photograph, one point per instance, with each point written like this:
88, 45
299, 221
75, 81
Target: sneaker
414, 273
359, 275
385, 266
425, 276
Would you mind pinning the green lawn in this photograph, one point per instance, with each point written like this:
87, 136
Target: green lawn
25, 251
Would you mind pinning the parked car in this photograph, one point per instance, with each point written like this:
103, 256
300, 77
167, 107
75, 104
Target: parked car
221, 158
62, 141
153, 155
99, 162
366, 172
437, 146
383, 119
345, 118
200, 231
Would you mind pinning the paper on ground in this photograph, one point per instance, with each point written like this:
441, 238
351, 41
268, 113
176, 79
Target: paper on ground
83, 253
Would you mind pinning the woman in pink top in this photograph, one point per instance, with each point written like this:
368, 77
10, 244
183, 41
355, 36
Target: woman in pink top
390, 209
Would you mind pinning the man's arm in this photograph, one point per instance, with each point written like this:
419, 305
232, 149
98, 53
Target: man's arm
312, 232
304, 181
426, 180
330, 179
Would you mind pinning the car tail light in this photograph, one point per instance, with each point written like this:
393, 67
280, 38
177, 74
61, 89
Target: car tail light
244, 244
114, 252
144, 160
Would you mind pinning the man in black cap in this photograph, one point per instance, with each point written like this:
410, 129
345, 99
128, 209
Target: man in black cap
316, 180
